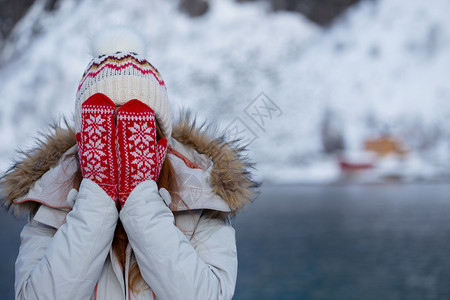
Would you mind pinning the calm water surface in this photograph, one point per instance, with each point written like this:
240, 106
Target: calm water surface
346, 242
334, 242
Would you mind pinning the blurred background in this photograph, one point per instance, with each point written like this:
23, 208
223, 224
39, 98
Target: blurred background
344, 105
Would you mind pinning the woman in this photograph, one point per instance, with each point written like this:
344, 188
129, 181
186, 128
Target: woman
125, 205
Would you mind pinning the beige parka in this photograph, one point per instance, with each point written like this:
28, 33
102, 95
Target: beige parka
182, 252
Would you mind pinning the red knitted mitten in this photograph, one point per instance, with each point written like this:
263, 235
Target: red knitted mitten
96, 143
140, 156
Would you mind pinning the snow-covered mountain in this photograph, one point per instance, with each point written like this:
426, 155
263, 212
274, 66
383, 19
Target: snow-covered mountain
383, 67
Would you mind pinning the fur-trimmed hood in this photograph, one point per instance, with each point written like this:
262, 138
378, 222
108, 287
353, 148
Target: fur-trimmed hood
227, 171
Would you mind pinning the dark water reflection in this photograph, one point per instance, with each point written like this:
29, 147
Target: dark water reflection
341, 242
9, 247
335, 242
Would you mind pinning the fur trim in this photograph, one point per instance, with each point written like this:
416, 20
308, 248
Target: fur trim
32, 164
231, 177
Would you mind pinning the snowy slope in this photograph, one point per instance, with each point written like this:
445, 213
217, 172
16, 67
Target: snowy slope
383, 67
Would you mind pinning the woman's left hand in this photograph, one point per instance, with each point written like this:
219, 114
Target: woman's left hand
141, 157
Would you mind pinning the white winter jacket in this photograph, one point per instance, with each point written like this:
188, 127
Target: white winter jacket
66, 251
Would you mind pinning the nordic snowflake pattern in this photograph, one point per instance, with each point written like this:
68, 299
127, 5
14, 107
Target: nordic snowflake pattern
97, 146
135, 137
142, 150
94, 125
141, 134
138, 152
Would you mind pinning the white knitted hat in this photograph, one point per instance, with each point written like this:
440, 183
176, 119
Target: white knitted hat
119, 72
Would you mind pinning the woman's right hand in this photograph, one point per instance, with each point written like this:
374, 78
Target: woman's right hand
97, 143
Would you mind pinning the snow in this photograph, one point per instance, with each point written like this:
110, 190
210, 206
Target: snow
382, 68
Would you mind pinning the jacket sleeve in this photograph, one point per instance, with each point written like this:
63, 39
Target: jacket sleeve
66, 263
172, 266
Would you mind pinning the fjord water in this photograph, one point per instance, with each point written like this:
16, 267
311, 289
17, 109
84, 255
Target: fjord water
345, 242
